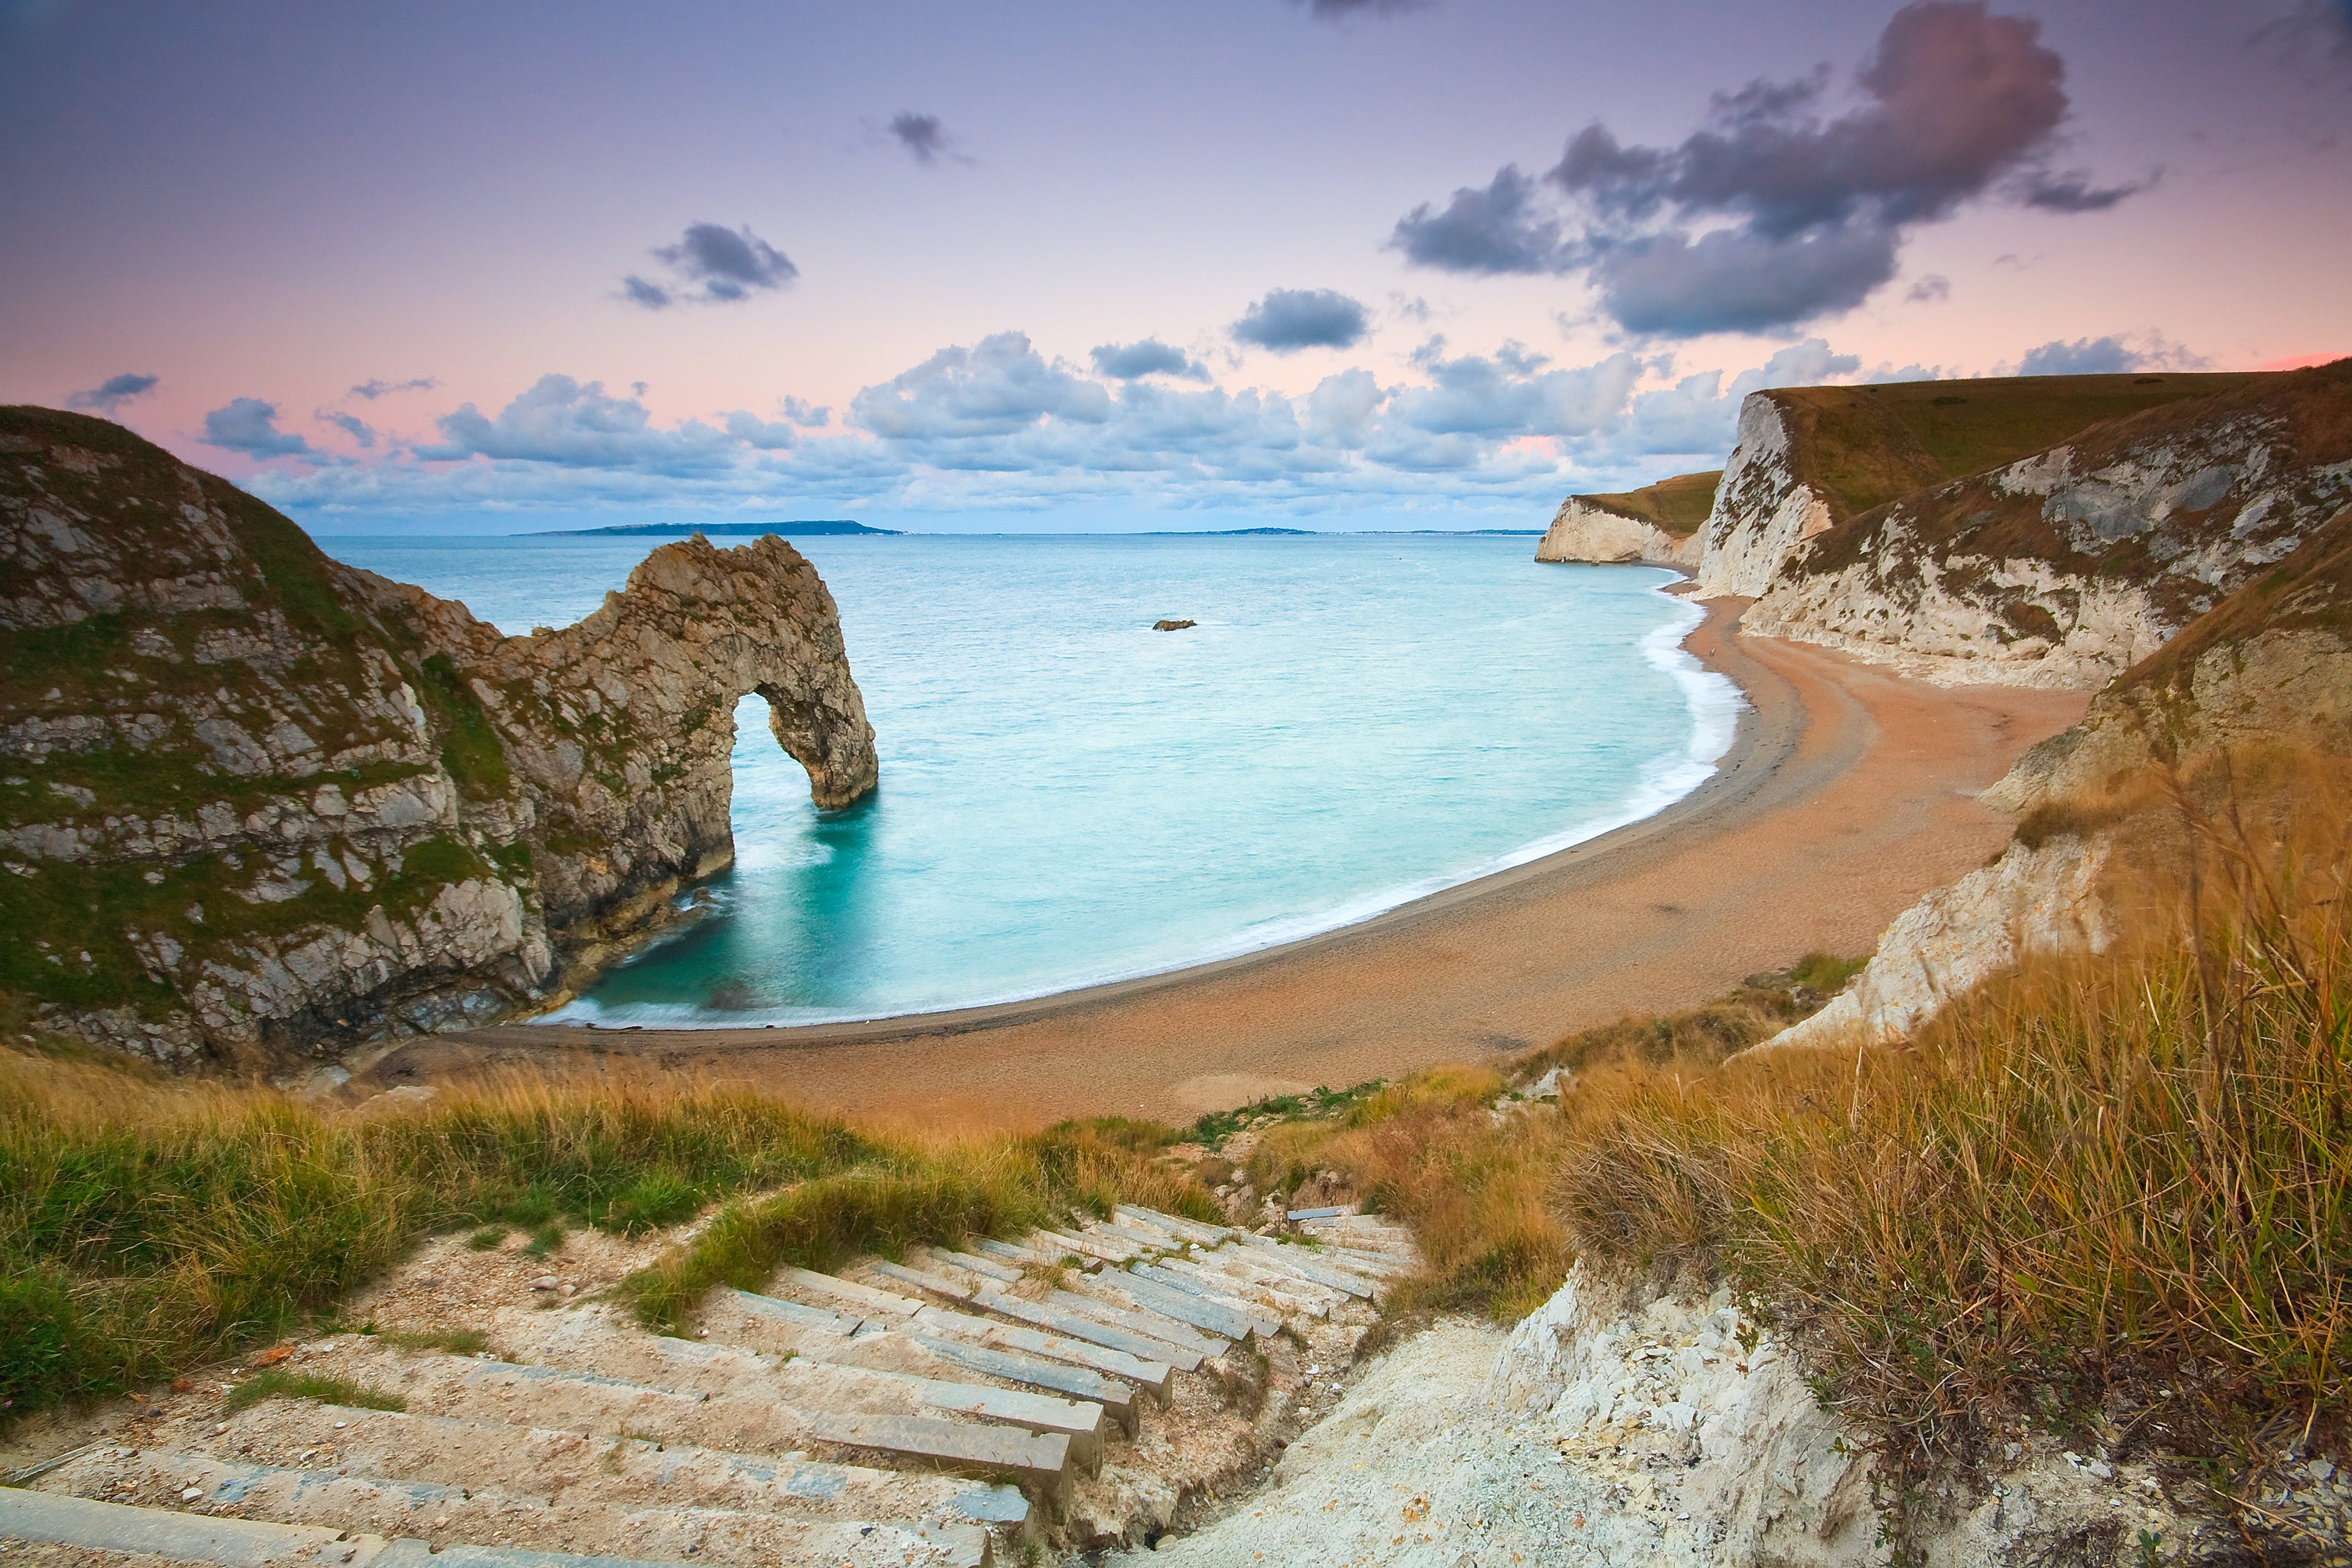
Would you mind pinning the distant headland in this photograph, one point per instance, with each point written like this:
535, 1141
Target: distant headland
806, 530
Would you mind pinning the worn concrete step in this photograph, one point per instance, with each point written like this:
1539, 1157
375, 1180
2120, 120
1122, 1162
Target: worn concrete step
1107, 1249
1276, 1255
1190, 1301
1117, 1398
1151, 1240
1146, 1372
539, 1461
1176, 1225
157, 1533
1093, 1329
929, 1281
798, 1314
590, 1341
1003, 1273
866, 1298
1363, 1260
1038, 1462
1010, 1252
1139, 1320
1233, 1265
338, 1499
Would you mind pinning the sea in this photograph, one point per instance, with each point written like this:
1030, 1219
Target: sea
1069, 797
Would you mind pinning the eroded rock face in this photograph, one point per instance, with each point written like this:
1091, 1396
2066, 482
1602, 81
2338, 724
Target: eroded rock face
1583, 532
2068, 566
254, 803
1770, 502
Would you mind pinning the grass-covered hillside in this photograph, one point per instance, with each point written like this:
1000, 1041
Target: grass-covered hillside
1677, 506
1864, 446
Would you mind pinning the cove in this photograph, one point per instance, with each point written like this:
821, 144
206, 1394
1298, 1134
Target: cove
1069, 797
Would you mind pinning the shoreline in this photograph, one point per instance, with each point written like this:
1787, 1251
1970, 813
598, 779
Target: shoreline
1658, 915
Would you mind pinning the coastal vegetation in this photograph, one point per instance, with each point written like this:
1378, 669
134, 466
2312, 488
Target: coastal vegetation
148, 1225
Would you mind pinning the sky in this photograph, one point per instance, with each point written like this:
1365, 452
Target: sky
1096, 264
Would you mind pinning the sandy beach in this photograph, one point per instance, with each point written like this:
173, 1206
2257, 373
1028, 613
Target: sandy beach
1849, 792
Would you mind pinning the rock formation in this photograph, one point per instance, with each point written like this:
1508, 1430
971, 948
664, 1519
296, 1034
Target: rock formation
256, 803
1657, 525
2068, 566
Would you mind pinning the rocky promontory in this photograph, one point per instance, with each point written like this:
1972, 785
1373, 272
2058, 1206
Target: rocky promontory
256, 804
1657, 525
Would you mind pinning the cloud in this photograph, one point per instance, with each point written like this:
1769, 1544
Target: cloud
998, 386
713, 265
1776, 213
1149, 357
1288, 319
250, 425
1340, 10
2073, 191
371, 389
803, 415
578, 424
113, 393
1932, 289
2315, 30
2108, 356
358, 429
927, 140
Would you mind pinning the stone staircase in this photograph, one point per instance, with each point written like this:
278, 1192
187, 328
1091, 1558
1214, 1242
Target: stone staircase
936, 1411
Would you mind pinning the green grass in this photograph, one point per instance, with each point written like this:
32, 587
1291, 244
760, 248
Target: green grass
469, 744
280, 1384
1678, 506
147, 1226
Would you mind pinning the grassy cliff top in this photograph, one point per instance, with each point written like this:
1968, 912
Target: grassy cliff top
1876, 443
1677, 506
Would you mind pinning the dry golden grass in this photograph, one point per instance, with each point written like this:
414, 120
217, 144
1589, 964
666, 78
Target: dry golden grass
148, 1225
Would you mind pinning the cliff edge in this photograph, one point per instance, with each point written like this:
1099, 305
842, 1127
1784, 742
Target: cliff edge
1657, 525
256, 804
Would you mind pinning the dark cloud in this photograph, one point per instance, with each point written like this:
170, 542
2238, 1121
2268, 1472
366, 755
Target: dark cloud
1339, 10
924, 139
1492, 228
1150, 357
2315, 30
113, 393
358, 429
2108, 356
1932, 289
373, 389
1288, 319
250, 425
714, 265
2073, 191
1776, 213
1736, 281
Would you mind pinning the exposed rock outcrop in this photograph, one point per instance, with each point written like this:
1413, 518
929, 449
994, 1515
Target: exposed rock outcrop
2066, 568
254, 802
1655, 526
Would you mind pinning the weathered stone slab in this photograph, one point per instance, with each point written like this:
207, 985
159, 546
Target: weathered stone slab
1146, 1372
1117, 1398
1038, 1462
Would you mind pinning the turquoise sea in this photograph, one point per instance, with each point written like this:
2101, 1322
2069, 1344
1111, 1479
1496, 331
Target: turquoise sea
1069, 797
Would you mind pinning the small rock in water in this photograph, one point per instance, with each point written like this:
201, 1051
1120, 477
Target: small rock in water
1173, 626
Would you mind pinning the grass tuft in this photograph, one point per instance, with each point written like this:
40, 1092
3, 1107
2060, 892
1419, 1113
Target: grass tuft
280, 1384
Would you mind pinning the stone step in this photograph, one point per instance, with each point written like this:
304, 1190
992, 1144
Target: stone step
1145, 1373
874, 1303
539, 1461
589, 1341
1038, 1462
339, 1499
1149, 1239
1259, 1290
1001, 1272
1093, 1329
1276, 1255
1190, 1229
1136, 1319
1188, 1302
1232, 1266
1380, 1265
931, 1280
1010, 1252
1063, 1243
157, 1533
754, 1414
796, 1313
1117, 1398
